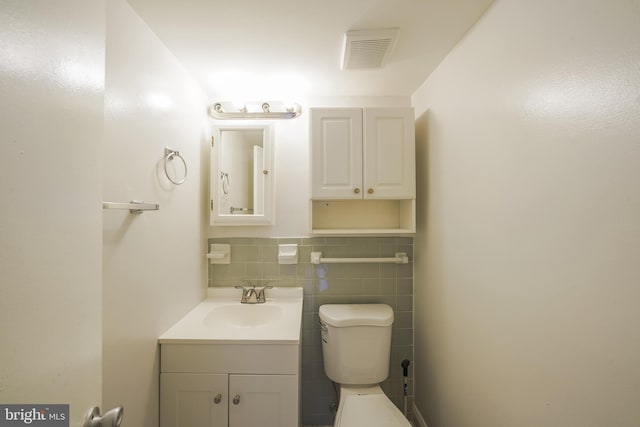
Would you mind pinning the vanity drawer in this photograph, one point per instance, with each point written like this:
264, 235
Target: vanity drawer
230, 358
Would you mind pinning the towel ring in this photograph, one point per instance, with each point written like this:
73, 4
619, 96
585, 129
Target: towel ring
169, 155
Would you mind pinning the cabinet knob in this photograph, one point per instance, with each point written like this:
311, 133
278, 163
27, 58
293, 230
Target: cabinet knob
236, 399
217, 399
370, 191
356, 190
265, 172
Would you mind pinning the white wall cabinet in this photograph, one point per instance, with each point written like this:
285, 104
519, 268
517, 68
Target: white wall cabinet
241, 180
199, 386
336, 153
363, 170
363, 153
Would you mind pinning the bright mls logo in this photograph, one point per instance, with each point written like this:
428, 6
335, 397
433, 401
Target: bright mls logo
34, 415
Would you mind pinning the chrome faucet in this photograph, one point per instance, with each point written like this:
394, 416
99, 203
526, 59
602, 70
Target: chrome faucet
260, 293
253, 294
249, 295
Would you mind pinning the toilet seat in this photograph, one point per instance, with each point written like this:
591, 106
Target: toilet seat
369, 410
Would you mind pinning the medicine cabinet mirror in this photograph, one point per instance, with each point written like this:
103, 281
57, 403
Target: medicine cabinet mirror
241, 179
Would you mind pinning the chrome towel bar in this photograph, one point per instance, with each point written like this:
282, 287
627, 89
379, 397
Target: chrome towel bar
399, 258
133, 206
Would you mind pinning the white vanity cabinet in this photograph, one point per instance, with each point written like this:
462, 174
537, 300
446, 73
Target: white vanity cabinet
199, 386
234, 365
219, 400
192, 400
363, 170
263, 400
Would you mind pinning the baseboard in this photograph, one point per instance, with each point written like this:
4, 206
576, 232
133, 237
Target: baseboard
417, 417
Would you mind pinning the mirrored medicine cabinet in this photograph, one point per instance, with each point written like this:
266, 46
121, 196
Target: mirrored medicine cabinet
241, 181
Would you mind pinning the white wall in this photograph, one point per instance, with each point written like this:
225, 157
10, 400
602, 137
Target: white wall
526, 296
51, 116
154, 263
292, 177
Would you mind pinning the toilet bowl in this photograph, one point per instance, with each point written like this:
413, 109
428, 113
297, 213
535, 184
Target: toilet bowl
367, 407
356, 344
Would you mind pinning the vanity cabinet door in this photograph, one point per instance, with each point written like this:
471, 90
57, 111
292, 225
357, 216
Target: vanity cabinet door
263, 400
336, 153
193, 400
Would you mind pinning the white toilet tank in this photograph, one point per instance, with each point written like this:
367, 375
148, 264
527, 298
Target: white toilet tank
356, 342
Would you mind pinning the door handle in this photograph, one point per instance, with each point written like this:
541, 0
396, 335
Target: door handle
236, 399
113, 417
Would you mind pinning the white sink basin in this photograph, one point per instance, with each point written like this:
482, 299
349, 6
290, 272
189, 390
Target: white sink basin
222, 319
243, 315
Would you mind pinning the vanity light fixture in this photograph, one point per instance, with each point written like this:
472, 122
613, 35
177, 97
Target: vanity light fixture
263, 110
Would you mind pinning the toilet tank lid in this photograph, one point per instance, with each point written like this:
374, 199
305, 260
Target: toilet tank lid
342, 315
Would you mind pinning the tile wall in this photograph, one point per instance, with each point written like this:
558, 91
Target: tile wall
257, 259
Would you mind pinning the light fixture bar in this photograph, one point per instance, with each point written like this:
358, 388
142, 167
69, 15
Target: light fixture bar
264, 110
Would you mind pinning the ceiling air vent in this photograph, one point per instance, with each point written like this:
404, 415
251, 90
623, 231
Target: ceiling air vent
368, 48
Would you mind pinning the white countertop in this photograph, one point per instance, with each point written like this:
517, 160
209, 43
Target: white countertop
220, 319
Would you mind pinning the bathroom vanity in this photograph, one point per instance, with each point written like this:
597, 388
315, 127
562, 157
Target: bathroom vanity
232, 364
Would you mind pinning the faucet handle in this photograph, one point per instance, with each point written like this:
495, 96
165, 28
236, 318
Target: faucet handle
260, 292
246, 285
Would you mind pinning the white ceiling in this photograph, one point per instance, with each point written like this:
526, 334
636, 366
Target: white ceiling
277, 49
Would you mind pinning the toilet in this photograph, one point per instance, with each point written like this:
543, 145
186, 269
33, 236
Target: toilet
356, 343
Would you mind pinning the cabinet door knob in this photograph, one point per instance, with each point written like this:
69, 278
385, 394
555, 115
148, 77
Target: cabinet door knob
356, 190
370, 191
236, 399
217, 399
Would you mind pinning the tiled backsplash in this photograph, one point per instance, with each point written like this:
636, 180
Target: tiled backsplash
392, 284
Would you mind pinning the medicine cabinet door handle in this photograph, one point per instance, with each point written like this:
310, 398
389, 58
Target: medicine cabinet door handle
217, 399
236, 399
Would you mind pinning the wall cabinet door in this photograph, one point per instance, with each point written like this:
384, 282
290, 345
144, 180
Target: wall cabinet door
362, 154
336, 152
263, 400
194, 400
389, 153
